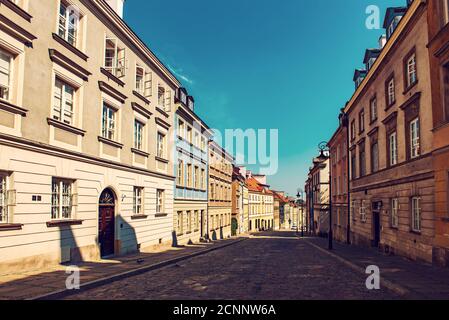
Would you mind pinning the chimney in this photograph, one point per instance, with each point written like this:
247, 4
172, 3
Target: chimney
382, 41
117, 6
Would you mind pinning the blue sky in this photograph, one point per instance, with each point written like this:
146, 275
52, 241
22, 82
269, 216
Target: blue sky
263, 64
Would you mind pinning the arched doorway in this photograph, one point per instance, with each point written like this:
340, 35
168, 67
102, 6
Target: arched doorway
106, 223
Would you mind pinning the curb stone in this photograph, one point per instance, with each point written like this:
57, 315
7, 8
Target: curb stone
392, 286
55, 295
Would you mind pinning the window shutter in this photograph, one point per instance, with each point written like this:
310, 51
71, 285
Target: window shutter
11, 197
148, 86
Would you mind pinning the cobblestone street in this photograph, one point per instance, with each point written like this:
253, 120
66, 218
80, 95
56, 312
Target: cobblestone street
270, 266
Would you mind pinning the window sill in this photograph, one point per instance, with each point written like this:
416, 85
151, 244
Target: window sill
161, 111
70, 47
389, 106
63, 223
110, 142
140, 152
65, 126
161, 215
18, 10
410, 87
112, 77
139, 217
10, 227
141, 97
8, 106
190, 232
162, 160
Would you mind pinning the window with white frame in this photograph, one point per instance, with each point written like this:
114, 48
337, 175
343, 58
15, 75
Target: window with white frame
160, 201
189, 135
391, 93
108, 122
180, 224
393, 147
414, 138
395, 212
203, 144
412, 77
3, 199
197, 140
203, 179
416, 214
61, 199
5, 75
196, 177
138, 200
181, 129
115, 59
189, 175
140, 80
180, 173
189, 221
138, 135
197, 220
373, 109
160, 145
68, 23
64, 99
161, 97
362, 211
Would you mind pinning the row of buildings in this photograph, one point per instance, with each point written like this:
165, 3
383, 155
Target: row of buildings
101, 151
388, 172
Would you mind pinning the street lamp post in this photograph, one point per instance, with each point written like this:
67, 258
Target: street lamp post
324, 147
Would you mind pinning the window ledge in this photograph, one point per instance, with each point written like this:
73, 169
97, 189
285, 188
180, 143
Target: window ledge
112, 77
162, 160
10, 226
139, 217
18, 10
418, 233
165, 114
410, 87
110, 142
65, 126
161, 215
63, 223
70, 47
8, 106
141, 97
140, 152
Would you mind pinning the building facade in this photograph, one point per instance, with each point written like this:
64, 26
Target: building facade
191, 167
261, 203
438, 19
220, 192
239, 203
85, 167
391, 123
317, 190
279, 210
340, 181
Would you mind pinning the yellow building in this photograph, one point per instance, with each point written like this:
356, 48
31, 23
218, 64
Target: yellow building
85, 156
220, 192
261, 203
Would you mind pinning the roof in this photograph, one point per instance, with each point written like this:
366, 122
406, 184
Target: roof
253, 185
280, 197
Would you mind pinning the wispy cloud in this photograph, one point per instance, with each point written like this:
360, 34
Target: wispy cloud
179, 72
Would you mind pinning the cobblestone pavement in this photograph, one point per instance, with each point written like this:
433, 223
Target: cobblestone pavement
269, 266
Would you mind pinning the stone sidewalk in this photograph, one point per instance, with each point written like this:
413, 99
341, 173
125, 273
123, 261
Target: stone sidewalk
413, 280
50, 283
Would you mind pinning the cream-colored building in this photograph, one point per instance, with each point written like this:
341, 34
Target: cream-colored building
261, 203
86, 113
220, 192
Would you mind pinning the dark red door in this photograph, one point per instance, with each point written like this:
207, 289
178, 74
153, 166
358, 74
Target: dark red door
106, 230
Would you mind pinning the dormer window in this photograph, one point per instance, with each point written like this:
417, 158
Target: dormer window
190, 103
182, 96
394, 23
371, 63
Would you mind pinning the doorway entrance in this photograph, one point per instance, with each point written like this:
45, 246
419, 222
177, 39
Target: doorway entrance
106, 223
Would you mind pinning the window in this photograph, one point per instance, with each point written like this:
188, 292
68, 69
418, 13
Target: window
445, 86
137, 201
115, 60
164, 98
180, 226
159, 201
416, 214
203, 144
196, 178
3, 200
395, 213
362, 121
108, 122
353, 130
353, 203
63, 102
414, 139
411, 72
160, 145
181, 129
373, 109
197, 220
445, 10
197, 140
180, 173
5, 75
362, 159
362, 211
393, 148
189, 135
138, 134
189, 175
68, 23
203, 179
140, 80
391, 91
61, 199
374, 157
189, 221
